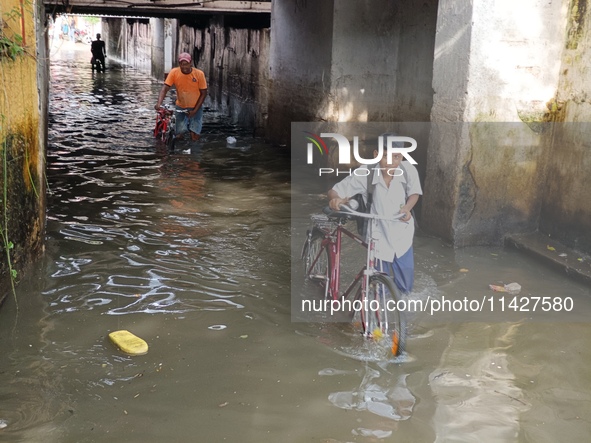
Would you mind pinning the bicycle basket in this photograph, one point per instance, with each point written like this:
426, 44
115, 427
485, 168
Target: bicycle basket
323, 222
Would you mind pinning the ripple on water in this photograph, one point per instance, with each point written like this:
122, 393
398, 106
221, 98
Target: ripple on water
217, 327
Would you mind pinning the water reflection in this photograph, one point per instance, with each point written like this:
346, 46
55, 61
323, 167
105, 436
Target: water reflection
478, 388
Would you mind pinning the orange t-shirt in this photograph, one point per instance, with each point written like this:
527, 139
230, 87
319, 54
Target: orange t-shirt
187, 86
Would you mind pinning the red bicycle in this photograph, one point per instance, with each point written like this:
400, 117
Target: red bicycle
372, 294
165, 126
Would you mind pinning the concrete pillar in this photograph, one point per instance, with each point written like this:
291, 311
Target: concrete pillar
566, 207
299, 63
158, 57
495, 69
170, 53
350, 61
382, 61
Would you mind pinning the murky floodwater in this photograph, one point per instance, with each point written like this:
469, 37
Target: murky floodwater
191, 252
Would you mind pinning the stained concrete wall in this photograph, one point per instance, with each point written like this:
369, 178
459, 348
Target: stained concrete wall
23, 128
233, 53
139, 44
170, 41
566, 206
382, 61
494, 74
348, 60
157, 43
300, 64
114, 34
130, 40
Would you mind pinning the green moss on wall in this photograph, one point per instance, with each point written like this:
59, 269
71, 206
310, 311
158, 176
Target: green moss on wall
20, 205
576, 23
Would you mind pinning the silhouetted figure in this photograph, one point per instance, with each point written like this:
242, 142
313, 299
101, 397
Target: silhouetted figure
99, 53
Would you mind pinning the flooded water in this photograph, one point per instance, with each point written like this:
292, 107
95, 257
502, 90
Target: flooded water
191, 252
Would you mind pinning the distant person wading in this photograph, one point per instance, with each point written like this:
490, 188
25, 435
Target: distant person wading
99, 53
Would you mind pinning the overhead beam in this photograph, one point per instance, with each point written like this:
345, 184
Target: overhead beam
156, 8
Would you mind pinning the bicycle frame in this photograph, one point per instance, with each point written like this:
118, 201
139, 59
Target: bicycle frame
332, 244
166, 123
377, 288
163, 122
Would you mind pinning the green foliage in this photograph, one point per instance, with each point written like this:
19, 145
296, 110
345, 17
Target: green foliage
12, 46
91, 20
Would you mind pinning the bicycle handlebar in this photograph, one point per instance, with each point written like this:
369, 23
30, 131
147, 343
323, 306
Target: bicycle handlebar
171, 108
348, 211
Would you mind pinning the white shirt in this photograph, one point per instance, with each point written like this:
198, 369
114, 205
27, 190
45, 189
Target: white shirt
393, 238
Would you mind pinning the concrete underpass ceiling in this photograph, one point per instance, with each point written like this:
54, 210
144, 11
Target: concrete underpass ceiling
155, 8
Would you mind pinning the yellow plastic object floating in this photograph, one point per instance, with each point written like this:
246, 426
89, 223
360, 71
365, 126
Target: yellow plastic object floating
129, 343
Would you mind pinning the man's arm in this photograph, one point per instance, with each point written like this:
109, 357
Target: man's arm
202, 96
347, 187
163, 92
413, 189
411, 201
335, 201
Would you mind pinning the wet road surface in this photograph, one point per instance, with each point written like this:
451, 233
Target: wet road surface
191, 252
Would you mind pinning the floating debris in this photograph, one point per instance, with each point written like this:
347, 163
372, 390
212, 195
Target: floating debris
217, 327
128, 342
511, 288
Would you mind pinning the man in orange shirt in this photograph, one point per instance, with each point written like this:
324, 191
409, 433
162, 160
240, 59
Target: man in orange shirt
191, 90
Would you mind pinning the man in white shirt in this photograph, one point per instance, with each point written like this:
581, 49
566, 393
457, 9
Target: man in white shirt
396, 189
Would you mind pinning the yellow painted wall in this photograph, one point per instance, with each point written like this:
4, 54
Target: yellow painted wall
19, 101
22, 190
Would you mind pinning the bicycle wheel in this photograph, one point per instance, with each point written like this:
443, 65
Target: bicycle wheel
379, 317
159, 126
315, 257
163, 130
169, 139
